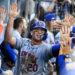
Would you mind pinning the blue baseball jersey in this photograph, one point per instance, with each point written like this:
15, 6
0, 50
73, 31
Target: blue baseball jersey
62, 66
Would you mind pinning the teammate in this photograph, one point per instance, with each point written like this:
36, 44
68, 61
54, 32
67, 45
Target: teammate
19, 28
2, 29
49, 20
65, 63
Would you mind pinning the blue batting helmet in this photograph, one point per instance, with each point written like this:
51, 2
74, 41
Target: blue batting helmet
72, 34
49, 17
73, 29
39, 24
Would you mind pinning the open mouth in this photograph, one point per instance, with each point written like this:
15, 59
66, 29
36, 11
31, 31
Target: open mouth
39, 36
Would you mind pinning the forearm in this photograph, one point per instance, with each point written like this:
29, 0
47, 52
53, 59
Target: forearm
51, 7
9, 30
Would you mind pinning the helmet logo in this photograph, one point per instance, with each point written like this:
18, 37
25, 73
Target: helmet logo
40, 23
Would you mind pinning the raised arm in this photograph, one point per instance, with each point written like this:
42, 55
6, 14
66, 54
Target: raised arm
65, 40
51, 6
9, 29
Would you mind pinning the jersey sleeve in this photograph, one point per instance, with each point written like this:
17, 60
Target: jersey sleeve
51, 51
55, 50
61, 65
19, 43
47, 53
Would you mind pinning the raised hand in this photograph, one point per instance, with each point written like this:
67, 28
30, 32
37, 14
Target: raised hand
2, 14
67, 17
67, 20
13, 12
65, 40
72, 21
57, 25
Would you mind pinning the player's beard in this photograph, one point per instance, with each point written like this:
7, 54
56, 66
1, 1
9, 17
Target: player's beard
36, 40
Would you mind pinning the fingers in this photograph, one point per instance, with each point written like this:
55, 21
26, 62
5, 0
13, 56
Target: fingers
72, 21
57, 25
67, 30
3, 10
65, 39
2, 14
9, 72
14, 10
14, 7
67, 17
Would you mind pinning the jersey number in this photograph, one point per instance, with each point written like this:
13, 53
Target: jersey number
32, 67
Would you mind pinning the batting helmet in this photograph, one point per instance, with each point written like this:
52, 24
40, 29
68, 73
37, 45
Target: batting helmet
49, 17
73, 29
72, 33
39, 24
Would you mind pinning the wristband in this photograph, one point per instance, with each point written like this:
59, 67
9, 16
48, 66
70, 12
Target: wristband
67, 56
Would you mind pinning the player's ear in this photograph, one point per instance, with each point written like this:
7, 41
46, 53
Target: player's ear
31, 32
21, 25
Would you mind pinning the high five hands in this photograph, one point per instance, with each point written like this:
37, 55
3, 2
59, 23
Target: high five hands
68, 21
13, 12
65, 41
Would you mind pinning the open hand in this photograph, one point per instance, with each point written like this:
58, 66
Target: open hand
2, 14
65, 40
13, 12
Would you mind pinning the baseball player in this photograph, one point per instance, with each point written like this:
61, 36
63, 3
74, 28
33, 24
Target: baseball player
34, 53
49, 18
65, 63
9, 53
2, 29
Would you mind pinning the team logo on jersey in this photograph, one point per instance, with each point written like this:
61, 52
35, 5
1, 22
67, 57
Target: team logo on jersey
28, 62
